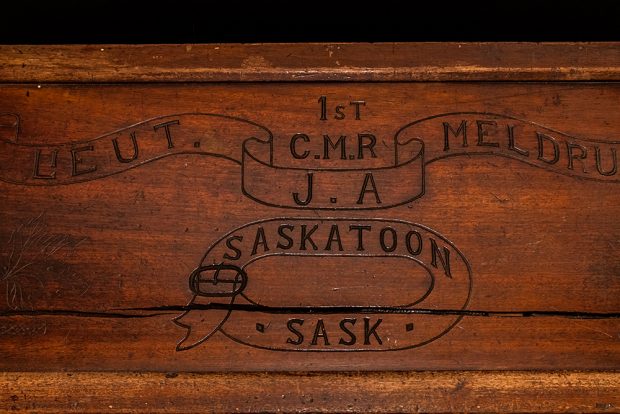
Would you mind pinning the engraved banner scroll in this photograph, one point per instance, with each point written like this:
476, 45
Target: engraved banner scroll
400, 177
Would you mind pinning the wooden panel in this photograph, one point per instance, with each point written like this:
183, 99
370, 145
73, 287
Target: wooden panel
465, 257
207, 209
303, 392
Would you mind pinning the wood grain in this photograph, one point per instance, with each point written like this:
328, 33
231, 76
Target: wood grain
536, 240
434, 392
342, 62
458, 251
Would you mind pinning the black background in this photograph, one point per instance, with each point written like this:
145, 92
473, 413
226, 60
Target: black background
97, 21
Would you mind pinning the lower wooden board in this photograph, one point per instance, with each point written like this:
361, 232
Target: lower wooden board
448, 391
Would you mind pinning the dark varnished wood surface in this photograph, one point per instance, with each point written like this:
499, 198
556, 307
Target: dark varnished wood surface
505, 256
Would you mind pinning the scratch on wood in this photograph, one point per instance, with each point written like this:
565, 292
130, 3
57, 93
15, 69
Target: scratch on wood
29, 248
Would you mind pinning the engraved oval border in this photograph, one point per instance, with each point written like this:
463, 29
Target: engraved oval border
417, 345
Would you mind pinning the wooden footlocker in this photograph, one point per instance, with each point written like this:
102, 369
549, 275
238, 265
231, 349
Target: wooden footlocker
310, 227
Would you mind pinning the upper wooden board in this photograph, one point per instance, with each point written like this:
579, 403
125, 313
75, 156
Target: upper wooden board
304, 62
250, 226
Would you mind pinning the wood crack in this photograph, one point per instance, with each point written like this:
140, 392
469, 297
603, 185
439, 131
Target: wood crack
149, 312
